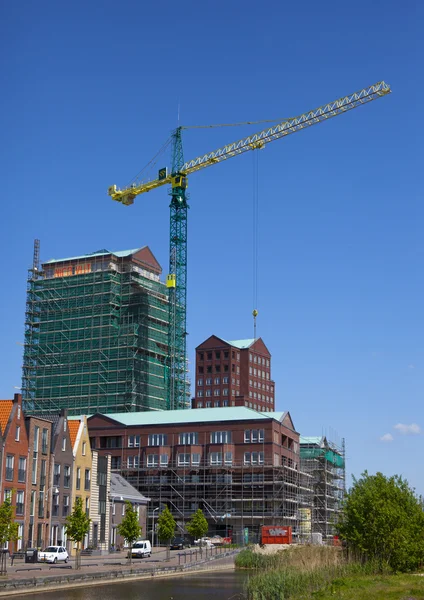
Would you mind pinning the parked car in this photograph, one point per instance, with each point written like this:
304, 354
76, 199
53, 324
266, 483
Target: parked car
205, 542
217, 540
179, 543
53, 554
141, 549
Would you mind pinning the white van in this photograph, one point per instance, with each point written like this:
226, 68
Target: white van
141, 549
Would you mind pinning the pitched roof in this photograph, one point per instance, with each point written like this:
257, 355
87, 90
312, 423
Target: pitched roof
120, 488
5, 410
119, 254
198, 415
73, 426
241, 344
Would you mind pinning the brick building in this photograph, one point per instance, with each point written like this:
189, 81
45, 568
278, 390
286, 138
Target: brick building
234, 373
39, 491
14, 462
240, 466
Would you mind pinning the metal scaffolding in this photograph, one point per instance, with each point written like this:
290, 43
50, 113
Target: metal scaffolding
324, 462
96, 336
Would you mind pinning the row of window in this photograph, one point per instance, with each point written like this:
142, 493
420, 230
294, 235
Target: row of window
193, 459
260, 360
216, 381
216, 392
263, 386
261, 397
234, 369
217, 403
258, 373
217, 353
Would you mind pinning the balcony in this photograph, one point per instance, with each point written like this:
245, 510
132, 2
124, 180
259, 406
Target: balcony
9, 473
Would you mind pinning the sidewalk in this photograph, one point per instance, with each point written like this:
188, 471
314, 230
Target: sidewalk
25, 578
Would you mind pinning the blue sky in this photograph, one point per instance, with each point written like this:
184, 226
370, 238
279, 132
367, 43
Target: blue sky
90, 93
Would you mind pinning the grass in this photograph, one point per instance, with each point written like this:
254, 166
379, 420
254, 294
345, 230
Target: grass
321, 573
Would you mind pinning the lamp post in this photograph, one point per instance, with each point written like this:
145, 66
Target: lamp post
153, 527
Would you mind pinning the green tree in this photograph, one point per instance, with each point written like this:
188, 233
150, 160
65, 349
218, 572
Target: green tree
129, 527
166, 527
8, 530
198, 526
382, 522
77, 525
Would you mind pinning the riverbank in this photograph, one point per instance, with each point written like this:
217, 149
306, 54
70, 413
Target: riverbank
95, 574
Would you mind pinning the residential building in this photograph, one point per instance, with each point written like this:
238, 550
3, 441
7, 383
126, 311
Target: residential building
60, 478
99, 503
121, 492
234, 373
37, 518
240, 466
324, 462
82, 471
14, 463
96, 334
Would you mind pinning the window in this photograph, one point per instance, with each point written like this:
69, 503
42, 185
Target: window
157, 439
226, 379
84, 448
67, 476
133, 462
44, 440
226, 368
217, 380
32, 504
22, 470
225, 392
200, 393
200, 369
36, 434
152, 460
19, 412
233, 392
87, 480
253, 458
276, 460
217, 368
250, 357
238, 370
134, 441
64, 443
201, 356
217, 392
56, 475
215, 458
225, 353
209, 369
41, 505
183, 460
10, 459
200, 405
250, 371
20, 502
209, 381
188, 438
225, 403
87, 506
228, 458
17, 434
200, 382
255, 359
208, 393
208, 403
34, 471
123, 509
216, 403
164, 460
220, 437
78, 483
238, 355
195, 459
209, 355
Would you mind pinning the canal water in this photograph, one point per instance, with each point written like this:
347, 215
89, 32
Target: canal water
225, 585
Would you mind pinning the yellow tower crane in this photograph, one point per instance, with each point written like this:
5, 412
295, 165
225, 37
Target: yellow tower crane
177, 178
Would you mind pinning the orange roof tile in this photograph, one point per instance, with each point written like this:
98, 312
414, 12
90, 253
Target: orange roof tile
5, 410
73, 430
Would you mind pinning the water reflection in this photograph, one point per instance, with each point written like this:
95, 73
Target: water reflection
220, 585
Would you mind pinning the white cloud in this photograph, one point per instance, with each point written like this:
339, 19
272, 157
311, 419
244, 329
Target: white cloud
411, 366
413, 428
387, 437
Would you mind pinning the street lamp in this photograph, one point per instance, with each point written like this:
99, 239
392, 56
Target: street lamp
153, 527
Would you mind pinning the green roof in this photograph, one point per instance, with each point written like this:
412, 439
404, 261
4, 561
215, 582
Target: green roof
119, 254
198, 415
241, 344
311, 440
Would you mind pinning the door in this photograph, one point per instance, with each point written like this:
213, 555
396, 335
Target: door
95, 534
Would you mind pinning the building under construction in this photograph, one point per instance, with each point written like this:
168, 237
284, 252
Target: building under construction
324, 463
240, 466
96, 335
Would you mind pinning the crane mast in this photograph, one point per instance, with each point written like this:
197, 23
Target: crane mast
177, 277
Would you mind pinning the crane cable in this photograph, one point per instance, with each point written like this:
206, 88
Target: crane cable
255, 220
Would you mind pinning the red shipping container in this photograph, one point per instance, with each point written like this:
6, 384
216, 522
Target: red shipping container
276, 534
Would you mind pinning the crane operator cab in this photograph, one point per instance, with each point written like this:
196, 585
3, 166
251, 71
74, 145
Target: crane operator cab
179, 180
